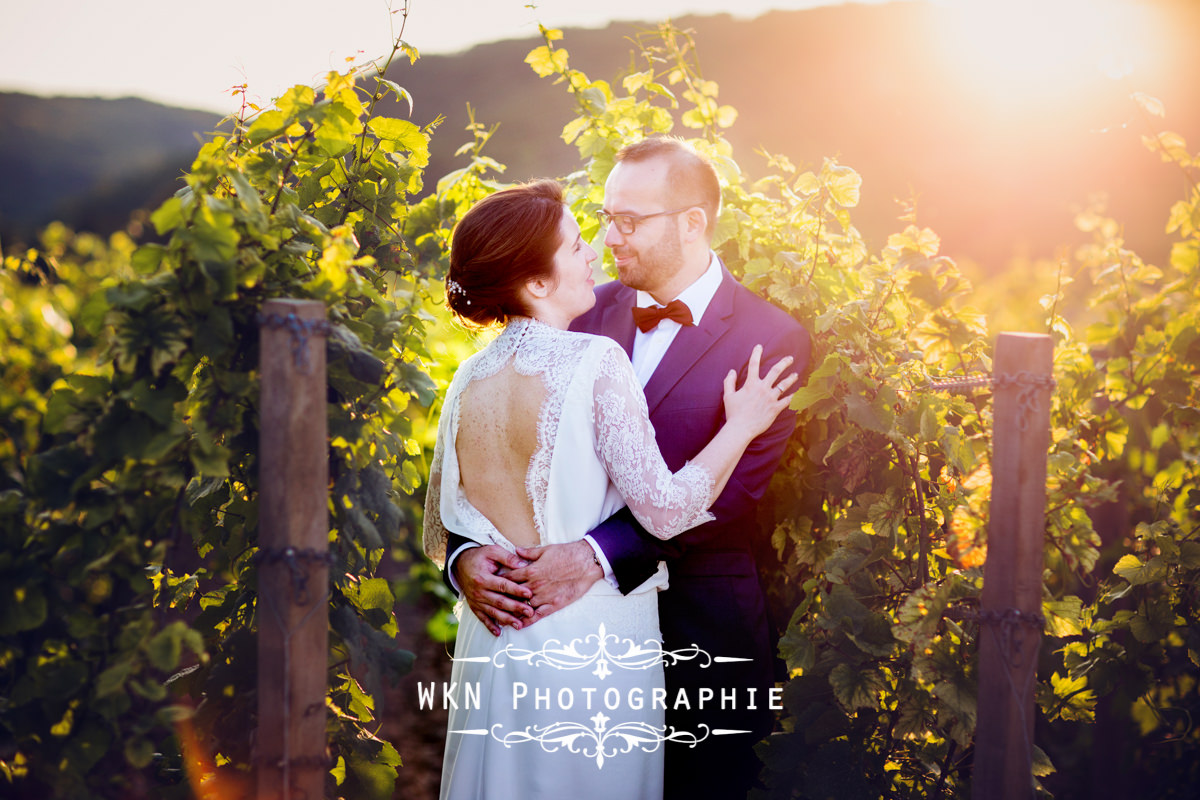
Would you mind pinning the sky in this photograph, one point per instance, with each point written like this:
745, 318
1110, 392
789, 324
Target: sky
191, 53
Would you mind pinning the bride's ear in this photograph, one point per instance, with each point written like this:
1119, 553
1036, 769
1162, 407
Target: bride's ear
539, 288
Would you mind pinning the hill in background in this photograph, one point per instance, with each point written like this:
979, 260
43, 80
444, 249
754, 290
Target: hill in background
87, 161
870, 85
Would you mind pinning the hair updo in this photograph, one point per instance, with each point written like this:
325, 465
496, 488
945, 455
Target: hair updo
504, 241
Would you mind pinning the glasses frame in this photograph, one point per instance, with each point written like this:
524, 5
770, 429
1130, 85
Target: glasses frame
631, 221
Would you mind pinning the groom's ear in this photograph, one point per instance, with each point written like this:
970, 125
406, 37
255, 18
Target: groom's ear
696, 221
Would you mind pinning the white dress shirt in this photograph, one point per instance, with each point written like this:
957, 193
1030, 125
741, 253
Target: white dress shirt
650, 347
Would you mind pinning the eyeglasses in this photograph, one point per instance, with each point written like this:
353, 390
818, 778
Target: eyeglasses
627, 223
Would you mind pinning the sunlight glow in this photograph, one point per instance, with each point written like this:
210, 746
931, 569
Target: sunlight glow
1038, 48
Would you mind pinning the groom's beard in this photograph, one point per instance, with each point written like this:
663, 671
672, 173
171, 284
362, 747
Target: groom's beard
653, 265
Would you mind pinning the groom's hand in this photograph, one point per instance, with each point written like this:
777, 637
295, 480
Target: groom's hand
492, 596
557, 574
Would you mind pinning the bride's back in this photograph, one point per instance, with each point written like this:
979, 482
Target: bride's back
497, 437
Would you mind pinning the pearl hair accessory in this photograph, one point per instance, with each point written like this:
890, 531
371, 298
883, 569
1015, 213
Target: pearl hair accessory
454, 287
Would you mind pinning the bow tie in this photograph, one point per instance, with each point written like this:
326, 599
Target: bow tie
648, 318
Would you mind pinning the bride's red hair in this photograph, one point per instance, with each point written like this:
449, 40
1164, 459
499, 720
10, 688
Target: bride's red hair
502, 242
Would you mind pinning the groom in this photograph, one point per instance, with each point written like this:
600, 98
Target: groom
661, 202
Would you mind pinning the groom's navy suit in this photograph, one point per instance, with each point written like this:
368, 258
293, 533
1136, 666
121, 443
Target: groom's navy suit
715, 600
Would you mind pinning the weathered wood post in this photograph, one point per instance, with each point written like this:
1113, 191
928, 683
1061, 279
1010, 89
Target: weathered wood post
293, 571
1010, 620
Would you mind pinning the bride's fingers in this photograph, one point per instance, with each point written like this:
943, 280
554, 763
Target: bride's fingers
777, 370
787, 383
755, 362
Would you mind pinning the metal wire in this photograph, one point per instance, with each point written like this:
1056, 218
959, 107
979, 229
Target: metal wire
301, 330
1028, 384
963, 384
292, 557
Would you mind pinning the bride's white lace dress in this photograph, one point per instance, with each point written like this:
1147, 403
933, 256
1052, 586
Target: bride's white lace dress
572, 706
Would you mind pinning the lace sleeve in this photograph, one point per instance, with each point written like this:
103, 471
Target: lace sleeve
434, 536
665, 504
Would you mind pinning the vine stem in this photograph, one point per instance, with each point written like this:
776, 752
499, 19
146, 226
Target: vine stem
376, 96
1058, 292
689, 69
816, 249
883, 303
914, 470
947, 763
287, 172
1162, 148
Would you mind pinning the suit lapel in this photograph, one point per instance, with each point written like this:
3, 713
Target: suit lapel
616, 319
691, 343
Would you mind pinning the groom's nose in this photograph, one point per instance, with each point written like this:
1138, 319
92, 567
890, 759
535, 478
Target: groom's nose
612, 236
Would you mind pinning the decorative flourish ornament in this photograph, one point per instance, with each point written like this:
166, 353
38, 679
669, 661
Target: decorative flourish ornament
599, 742
604, 651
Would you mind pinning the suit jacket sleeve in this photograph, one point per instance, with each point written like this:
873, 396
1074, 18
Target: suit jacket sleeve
454, 542
634, 553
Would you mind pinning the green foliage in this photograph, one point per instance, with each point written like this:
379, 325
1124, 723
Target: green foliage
881, 506
129, 512
1132, 385
50, 318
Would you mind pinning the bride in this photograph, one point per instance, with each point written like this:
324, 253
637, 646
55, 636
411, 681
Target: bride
544, 433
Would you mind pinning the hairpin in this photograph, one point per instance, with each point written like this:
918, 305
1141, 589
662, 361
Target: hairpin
454, 287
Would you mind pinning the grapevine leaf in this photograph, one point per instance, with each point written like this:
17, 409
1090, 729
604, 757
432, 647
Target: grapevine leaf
1139, 572
856, 688
1063, 617
1150, 104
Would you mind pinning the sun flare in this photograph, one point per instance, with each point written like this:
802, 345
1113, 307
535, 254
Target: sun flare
1015, 48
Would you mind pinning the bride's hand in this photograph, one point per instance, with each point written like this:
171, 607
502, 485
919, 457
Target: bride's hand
754, 406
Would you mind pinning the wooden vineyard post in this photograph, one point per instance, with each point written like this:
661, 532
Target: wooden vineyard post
293, 569
1010, 618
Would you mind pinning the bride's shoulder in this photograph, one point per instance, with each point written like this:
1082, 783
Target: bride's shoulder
584, 343
608, 358
600, 344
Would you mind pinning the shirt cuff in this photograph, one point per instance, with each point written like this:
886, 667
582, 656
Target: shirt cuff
600, 557
450, 565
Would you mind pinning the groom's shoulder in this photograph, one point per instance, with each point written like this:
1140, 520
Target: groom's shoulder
608, 292
749, 306
607, 295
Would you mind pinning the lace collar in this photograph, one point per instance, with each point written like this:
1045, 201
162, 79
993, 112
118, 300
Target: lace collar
529, 342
